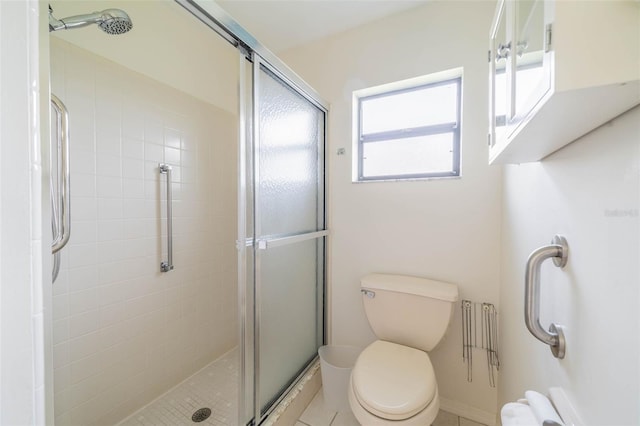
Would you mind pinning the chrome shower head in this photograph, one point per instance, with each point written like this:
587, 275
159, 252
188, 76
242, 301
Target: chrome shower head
111, 21
115, 21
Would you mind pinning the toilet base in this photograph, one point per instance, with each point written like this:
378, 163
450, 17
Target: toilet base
365, 418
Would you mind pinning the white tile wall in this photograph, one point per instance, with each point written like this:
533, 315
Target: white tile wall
23, 351
124, 333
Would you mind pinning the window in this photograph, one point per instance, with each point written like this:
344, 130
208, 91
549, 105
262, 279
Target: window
409, 130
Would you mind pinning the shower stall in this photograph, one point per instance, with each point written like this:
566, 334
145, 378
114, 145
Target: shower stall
192, 285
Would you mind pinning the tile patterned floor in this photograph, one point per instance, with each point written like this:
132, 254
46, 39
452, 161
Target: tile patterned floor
215, 387
317, 414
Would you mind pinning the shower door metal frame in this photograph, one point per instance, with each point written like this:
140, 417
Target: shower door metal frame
261, 243
253, 51
221, 22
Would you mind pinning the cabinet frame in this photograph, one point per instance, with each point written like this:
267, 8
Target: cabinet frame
577, 89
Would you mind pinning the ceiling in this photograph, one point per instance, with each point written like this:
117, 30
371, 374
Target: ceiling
162, 29
283, 24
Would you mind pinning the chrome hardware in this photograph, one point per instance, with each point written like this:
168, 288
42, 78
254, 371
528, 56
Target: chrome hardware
503, 52
521, 46
248, 242
55, 226
62, 221
275, 241
166, 266
56, 267
370, 294
547, 37
480, 331
559, 252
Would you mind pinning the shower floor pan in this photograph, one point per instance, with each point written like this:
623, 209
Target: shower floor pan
214, 387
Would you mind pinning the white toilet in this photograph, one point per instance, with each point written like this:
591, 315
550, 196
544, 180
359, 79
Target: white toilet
393, 381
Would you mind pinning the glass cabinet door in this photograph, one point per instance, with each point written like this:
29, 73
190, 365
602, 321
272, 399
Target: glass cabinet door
531, 74
520, 70
499, 90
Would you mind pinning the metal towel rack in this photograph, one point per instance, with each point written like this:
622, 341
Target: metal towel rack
559, 252
166, 266
60, 219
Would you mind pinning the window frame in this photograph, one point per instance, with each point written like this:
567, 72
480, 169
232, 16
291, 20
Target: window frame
452, 127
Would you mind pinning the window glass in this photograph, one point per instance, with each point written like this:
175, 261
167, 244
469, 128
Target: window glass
415, 108
409, 156
411, 133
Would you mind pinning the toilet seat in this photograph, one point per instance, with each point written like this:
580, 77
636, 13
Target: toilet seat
392, 381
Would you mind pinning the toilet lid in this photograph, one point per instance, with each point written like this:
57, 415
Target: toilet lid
393, 381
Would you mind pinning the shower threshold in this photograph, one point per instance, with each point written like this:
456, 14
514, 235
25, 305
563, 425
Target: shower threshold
214, 387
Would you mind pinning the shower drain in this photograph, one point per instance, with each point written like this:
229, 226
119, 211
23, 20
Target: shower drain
201, 415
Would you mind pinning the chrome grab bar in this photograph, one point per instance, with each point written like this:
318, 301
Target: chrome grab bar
168, 265
60, 218
62, 227
55, 230
559, 252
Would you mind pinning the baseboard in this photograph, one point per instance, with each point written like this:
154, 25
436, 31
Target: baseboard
468, 412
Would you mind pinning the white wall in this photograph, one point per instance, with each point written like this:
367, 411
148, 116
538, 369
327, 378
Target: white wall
588, 191
443, 229
123, 332
22, 349
167, 44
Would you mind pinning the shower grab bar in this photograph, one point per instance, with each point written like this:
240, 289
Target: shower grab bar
54, 230
62, 221
166, 266
559, 252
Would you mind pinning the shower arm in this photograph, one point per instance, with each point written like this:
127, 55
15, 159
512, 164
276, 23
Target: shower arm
77, 21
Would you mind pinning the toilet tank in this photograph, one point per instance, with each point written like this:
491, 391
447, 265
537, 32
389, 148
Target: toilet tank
411, 311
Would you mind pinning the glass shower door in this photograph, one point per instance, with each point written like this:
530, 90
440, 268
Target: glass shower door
289, 234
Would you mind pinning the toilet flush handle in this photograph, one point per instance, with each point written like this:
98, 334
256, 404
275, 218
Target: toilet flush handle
370, 294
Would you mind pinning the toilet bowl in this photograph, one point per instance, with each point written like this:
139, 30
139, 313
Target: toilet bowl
393, 381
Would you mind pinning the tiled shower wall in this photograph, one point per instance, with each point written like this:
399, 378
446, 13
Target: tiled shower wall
123, 332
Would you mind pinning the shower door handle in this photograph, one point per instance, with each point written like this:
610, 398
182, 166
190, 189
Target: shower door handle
61, 219
558, 251
166, 266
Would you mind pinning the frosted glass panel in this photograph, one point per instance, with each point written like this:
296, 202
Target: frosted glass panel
291, 134
289, 200
416, 108
408, 156
290, 311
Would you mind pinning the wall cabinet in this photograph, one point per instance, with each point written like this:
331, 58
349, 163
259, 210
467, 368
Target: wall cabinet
558, 69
